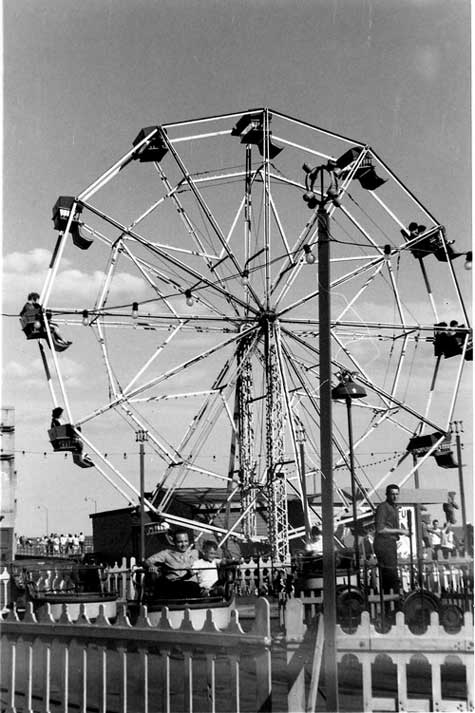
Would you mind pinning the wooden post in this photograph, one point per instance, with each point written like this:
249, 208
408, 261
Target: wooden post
294, 634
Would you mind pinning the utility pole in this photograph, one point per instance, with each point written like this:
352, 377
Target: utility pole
457, 428
329, 569
141, 437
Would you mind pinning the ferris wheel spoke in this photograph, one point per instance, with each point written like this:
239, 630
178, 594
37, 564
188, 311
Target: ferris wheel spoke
158, 351
182, 266
371, 264
163, 449
191, 229
192, 430
212, 221
145, 274
290, 263
360, 292
187, 364
112, 380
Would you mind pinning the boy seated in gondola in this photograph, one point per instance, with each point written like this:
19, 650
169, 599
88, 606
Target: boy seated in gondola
206, 571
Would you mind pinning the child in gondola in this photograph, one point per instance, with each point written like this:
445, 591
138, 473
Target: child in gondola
205, 568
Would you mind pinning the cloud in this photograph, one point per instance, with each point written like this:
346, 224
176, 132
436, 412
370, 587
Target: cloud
73, 285
26, 271
18, 263
32, 375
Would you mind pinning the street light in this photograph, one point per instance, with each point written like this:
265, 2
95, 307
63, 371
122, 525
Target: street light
141, 437
347, 390
300, 437
93, 501
326, 456
38, 507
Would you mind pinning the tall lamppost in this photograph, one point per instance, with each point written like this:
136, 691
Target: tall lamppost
457, 428
38, 507
93, 501
347, 390
326, 457
141, 437
300, 437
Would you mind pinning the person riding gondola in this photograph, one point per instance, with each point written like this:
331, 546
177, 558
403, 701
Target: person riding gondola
206, 570
33, 323
170, 572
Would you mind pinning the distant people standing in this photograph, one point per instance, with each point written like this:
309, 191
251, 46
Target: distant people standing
435, 533
387, 534
70, 544
75, 543
449, 508
447, 540
56, 544
63, 541
82, 542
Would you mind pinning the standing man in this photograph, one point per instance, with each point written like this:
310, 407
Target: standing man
385, 540
435, 538
171, 570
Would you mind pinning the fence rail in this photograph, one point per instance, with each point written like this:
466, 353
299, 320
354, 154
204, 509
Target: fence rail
119, 667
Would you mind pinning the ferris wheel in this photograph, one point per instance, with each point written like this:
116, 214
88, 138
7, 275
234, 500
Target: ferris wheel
198, 323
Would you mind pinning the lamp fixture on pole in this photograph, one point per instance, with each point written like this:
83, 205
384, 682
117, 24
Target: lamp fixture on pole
93, 500
301, 437
347, 390
142, 436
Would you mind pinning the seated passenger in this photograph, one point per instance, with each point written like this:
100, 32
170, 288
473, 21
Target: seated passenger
30, 315
33, 325
55, 416
170, 572
206, 569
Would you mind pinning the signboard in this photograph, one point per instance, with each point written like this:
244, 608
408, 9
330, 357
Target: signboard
156, 528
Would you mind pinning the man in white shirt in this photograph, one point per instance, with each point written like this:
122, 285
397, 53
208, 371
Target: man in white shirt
435, 537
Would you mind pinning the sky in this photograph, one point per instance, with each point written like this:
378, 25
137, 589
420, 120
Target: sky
82, 79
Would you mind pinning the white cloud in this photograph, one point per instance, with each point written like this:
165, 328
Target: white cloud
72, 286
32, 375
27, 263
24, 272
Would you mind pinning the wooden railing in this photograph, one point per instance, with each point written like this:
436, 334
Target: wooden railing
436, 647
115, 666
